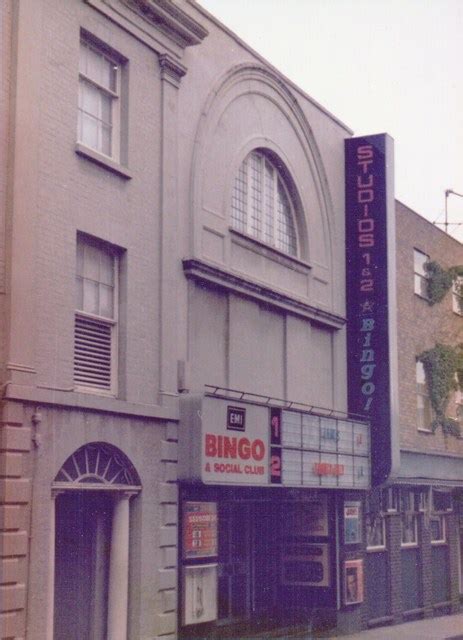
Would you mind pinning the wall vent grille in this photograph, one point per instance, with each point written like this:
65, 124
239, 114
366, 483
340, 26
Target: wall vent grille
92, 353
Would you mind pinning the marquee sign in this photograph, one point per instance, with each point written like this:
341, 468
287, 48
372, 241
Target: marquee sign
277, 447
309, 450
371, 305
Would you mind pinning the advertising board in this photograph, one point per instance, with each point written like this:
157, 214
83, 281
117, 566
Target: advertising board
226, 442
199, 530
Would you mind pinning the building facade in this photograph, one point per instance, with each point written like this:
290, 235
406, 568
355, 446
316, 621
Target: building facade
177, 456
413, 556
172, 217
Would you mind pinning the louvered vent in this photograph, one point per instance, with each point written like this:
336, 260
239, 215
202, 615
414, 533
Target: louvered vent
92, 353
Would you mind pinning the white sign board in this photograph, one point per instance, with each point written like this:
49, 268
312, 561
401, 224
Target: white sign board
229, 455
227, 442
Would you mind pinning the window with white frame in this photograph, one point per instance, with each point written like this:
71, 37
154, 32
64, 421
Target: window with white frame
424, 414
376, 531
261, 205
438, 527
441, 505
420, 274
99, 100
409, 517
375, 507
95, 336
390, 498
457, 295
442, 501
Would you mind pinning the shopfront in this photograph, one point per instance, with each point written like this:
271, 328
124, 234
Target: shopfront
261, 498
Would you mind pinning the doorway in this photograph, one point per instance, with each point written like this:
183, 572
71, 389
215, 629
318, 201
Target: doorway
234, 565
248, 561
82, 546
92, 491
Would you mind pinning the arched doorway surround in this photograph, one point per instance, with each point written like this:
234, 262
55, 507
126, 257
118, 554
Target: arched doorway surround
91, 492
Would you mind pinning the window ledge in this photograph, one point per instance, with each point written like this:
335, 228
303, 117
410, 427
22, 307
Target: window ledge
421, 297
428, 432
102, 161
68, 397
270, 252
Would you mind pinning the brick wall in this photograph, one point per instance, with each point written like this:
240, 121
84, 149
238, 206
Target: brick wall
421, 326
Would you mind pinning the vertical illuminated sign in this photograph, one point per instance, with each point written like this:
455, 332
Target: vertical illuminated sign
371, 306
275, 451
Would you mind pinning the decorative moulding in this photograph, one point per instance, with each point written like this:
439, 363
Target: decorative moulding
171, 70
205, 272
159, 24
170, 19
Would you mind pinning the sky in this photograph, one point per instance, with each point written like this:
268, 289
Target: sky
393, 66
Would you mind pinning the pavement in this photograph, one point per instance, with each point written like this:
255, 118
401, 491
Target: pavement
441, 628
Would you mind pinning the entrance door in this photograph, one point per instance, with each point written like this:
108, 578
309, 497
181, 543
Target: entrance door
83, 529
234, 562
265, 559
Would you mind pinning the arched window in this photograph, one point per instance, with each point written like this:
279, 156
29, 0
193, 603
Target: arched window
261, 205
97, 463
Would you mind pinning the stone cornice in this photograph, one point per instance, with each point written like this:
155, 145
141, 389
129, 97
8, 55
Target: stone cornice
86, 402
205, 272
170, 19
171, 70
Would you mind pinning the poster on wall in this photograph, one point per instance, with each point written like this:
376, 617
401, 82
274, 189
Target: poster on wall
353, 582
352, 522
199, 530
305, 564
307, 518
200, 594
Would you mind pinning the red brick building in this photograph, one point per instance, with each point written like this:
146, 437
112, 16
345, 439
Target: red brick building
414, 555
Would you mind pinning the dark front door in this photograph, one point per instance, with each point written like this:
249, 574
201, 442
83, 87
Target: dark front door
265, 560
234, 562
83, 526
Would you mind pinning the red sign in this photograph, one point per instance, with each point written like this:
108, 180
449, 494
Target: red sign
328, 469
199, 529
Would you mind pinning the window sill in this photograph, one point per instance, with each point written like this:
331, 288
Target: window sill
421, 297
102, 161
427, 432
249, 242
105, 393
